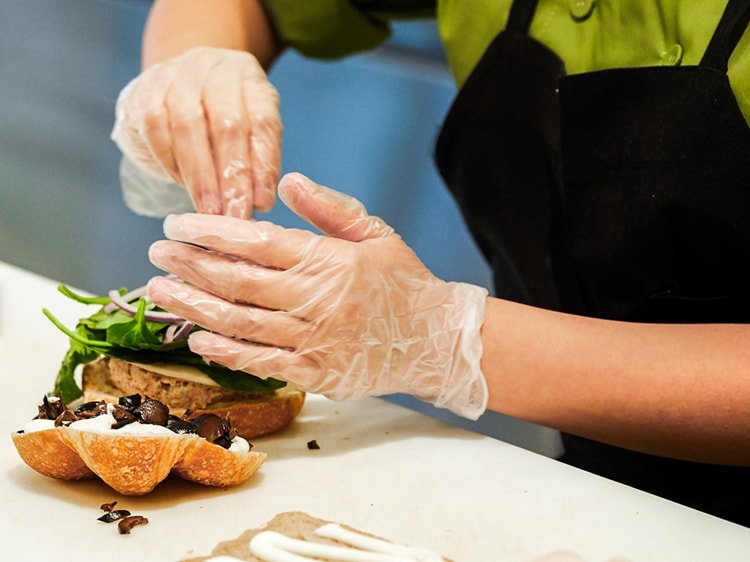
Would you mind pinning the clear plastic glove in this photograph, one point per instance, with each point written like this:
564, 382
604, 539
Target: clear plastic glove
207, 120
349, 314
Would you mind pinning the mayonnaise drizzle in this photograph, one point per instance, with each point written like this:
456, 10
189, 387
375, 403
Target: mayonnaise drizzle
275, 547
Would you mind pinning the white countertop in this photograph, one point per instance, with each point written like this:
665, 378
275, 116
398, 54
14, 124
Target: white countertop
380, 468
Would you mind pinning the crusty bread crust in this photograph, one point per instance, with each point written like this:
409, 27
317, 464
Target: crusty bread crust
133, 465
47, 453
252, 415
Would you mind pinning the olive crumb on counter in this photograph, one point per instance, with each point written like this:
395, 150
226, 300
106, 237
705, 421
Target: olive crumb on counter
127, 524
313, 445
126, 520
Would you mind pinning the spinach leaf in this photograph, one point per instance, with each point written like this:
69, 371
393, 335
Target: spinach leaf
137, 340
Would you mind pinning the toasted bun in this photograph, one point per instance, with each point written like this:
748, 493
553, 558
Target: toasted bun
251, 415
133, 465
294, 524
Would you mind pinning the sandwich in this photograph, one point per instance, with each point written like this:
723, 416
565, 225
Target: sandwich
147, 406
130, 346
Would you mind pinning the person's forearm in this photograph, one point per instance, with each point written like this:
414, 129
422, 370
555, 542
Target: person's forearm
176, 26
675, 390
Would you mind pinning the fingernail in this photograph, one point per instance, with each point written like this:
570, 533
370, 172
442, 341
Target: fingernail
171, 225
201, 342
290, 187
155, 288
158, 254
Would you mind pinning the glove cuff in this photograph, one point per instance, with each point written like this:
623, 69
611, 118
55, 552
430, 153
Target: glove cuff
465, 390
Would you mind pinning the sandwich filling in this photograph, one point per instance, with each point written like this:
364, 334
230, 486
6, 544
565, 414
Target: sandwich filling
134, 415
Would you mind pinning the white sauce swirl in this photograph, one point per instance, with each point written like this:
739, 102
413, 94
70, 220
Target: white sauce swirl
276, 547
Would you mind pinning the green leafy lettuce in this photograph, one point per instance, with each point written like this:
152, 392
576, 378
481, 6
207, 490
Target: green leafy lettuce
137, 340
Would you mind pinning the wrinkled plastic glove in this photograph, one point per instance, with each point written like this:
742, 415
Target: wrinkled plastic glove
207, 120
349, 314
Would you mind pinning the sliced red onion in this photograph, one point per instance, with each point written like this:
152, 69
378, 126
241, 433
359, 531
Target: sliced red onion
178, 332
169, 333
153, 316
130, 296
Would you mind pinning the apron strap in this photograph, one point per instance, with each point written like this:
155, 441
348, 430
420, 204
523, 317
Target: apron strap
733, 23
521, 13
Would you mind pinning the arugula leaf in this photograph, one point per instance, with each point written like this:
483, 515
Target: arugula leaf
137, 340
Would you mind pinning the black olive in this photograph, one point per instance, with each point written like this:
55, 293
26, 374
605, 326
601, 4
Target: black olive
130, 402
86, 407
209, 426
121, 414
122, 423
180, 426
50, 409
65, 419
313, 445
127, 524
108, 506
112, 516
153, 412
91, 409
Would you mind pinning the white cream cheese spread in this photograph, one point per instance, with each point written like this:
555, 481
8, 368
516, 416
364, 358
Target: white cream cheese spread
103, 424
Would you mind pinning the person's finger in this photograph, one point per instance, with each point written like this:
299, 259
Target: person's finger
261, 242
231, 279
153, 119
333, 213
126, 131
262, 108
261, 361
228, 129
190, 137
253, 324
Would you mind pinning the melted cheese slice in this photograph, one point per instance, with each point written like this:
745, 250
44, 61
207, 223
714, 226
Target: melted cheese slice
184, 372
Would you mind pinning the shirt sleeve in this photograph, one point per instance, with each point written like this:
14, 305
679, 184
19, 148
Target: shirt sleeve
329, 29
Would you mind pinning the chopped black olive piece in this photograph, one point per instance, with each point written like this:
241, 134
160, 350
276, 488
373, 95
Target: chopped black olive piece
50, 408
153, 412
313, 445
122, 423
130, 402
65, 419
108, 506
121, 414
91, 409
112, 516
209, 426
180, 426
86, 407
127, 524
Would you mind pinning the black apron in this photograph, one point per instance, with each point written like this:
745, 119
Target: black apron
621, 194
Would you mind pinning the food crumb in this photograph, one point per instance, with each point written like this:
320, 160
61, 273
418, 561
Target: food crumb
126, 520
313, 445
127, 524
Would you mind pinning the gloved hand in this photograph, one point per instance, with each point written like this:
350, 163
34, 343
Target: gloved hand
349, 314
207, 120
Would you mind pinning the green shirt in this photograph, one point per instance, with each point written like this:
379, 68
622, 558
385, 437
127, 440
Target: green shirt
587, 34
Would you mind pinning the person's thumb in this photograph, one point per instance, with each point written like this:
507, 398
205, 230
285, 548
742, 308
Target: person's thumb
333, 213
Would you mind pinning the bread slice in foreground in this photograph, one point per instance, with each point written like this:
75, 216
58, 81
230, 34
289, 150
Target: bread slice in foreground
294, 524
133, 465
